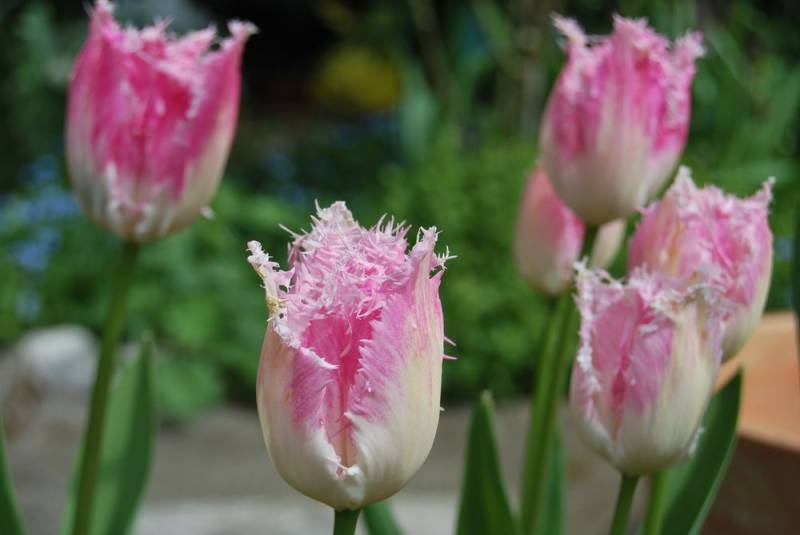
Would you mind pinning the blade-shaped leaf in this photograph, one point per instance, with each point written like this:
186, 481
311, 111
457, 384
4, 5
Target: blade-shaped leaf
484, 508
10, 517
694, 485
126, 448
552, 521
380, 519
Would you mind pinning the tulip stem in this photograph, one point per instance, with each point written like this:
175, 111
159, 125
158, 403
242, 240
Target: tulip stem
533, 476
90, 457
627, 488
657, 501
344, 521
554, 367
589, 237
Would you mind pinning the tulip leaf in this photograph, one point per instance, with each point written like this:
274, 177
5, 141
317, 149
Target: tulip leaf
552, 521
10, 517
380, 519
694, 485
127, 448
484, 508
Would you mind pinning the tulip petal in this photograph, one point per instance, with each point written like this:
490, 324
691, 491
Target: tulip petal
646, 366
395, 400
549, 237
617, 118
150, 122
694, 231
350, 371
295, 434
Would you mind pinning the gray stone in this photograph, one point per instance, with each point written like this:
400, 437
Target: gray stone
58, 359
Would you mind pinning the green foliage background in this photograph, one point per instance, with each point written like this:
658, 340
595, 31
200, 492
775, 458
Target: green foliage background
450, 147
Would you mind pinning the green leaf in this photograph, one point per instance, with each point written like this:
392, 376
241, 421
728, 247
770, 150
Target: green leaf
381, 520
694, 485
185, 386
416, 112
127, 445
552, 521
484, 506
10, 517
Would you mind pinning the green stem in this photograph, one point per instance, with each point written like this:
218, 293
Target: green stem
589, 237
657, 503
533, 472
89, 465
627, 487
10, 516
549, 383
544, 371
381, 519
344, 521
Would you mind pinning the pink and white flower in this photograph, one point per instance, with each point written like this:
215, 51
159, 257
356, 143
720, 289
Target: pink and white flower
549, 237
350, 375
648, 359
150, 122
727, 239
616, 121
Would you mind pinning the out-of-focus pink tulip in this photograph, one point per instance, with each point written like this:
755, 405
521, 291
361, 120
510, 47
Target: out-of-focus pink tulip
728, 239
150, 122
617, 119
648, 359
549, 237
350, 373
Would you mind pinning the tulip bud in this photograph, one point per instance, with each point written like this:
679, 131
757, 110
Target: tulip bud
648, 359
549, 238
616, 121
150, 123
728, 239
350, 374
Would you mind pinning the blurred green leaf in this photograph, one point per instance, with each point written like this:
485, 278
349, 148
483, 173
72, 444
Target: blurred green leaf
380, 519
484, 508
10, 517
185, 385
500, 32
128, 440
781, 113
552, 521
416, 112
694, 485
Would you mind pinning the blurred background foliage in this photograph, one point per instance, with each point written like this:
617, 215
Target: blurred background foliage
423, 109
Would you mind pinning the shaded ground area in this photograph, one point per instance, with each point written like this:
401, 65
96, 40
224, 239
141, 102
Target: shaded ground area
212, 476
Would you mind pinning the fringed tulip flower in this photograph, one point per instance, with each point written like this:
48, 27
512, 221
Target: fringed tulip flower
350, 373
647, 362
728, 239
617, 118
549, 237
150, 122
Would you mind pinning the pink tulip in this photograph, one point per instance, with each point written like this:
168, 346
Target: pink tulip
150, 123
617, 119
728, 239
350, 373
549, 237
648, 359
